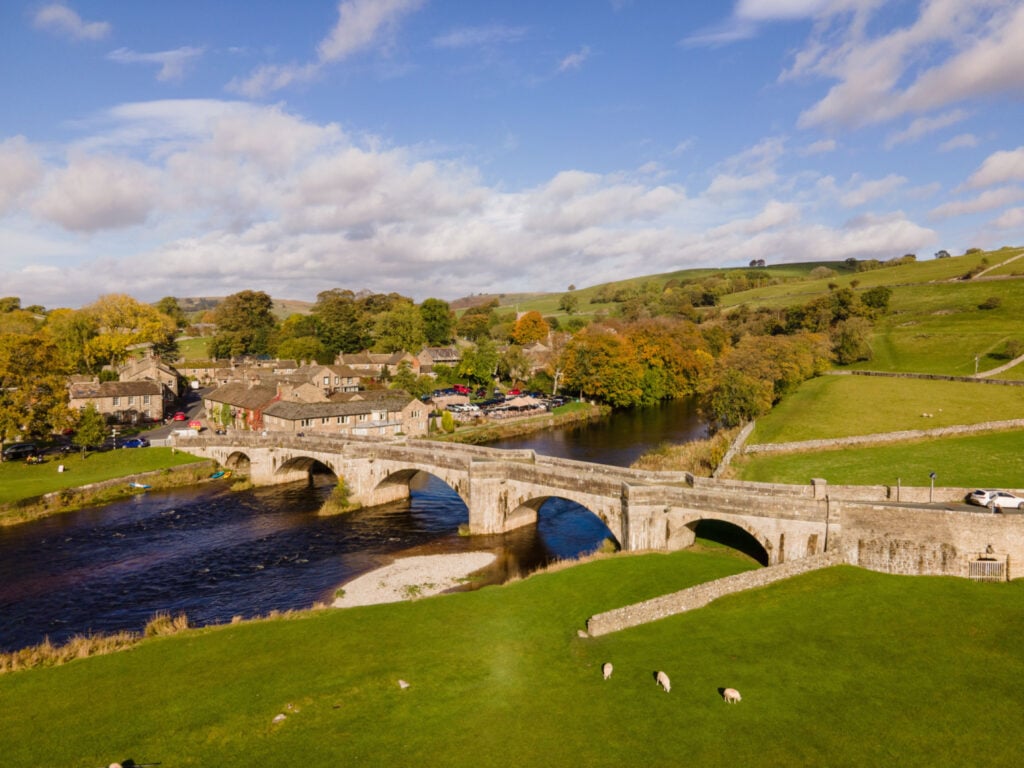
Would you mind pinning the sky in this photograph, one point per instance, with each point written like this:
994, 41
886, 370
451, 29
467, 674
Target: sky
442, 148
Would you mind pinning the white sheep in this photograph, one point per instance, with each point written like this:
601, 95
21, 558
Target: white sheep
606, 670
662, 679
730, 695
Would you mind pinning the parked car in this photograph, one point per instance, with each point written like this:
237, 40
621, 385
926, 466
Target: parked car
19, 451
180, 416
995, 500
135, 442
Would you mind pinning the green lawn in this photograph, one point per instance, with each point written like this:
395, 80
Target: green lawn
19, 480
193, 348
842, 406
990, 460
840, 668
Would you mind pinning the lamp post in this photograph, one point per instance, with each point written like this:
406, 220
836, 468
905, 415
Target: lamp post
931, 490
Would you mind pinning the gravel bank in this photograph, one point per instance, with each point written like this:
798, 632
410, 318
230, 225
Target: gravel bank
411, 578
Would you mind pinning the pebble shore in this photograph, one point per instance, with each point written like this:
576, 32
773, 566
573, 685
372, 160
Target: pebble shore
411, 578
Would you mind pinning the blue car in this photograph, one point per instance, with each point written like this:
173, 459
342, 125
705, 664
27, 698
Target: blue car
135, 442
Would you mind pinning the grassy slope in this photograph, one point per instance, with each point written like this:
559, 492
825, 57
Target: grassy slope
842, 406
499, 675
19, 480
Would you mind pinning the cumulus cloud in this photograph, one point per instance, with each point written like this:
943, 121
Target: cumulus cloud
62, 20
172, 63
999, 168
94, 193
20, 171
960, 141
1012, 218
360, 25
216, 197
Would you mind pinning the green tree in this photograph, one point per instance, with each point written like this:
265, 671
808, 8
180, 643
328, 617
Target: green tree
447, 422
304, 348
343, 325
569, 303
91, 428
479, 363
438, 322
735, 397
400, 329
513, 365
850, 340
71, 330
9, 304
245, 324
169, 306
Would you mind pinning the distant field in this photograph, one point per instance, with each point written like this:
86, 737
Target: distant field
843, 406
193, 348
991, 460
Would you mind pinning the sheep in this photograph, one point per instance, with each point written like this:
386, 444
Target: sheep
606, 670
729, 695
662, 679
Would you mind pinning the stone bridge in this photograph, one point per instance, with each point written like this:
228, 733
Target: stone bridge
504, 489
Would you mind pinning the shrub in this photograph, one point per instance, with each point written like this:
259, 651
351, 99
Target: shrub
992, 302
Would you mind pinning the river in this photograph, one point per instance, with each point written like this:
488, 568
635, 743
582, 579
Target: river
216, 554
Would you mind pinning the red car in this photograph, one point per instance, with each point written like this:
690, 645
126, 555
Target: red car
179, 416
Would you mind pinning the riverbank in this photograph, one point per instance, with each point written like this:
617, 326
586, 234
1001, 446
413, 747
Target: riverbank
411, 578
68, 498
488, 432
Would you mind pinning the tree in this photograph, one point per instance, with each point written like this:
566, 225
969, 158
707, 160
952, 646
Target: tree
569, 303
91, 428
33, 391
342, 324
850, 340
438, 322
169, 306
529, 328
479, 363
245, 322
447, 422
9, 304
400, 329
735, 397
71, 330
603, 365
121, 323
513, 365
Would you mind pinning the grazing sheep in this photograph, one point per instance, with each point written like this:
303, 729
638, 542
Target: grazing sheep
606, 670
402, 684
662, 679
730, 695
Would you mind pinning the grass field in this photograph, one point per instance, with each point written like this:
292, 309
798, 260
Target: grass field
842, 667
989, 460
843, 406
19, 480
193, 348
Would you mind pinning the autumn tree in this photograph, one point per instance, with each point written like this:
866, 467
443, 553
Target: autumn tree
33, 387
122, 322
71, 331
735, 397
603, 365
529, 328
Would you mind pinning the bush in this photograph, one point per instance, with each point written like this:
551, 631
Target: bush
992, 302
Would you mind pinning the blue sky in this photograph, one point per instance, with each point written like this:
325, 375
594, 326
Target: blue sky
442, 148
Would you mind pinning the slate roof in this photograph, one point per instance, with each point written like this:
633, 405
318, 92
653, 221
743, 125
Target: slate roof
242, 396
115, 389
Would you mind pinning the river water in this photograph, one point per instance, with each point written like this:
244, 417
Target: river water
216, 554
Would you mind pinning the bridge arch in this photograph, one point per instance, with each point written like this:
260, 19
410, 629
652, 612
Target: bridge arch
238, 461
297, 467
736, 534
538, 508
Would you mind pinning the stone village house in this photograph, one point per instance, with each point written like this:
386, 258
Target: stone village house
121, 401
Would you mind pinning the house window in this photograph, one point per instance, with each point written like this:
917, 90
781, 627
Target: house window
362, 417
325, 420
131, 399
145, 399
327, 381
306, 423
343, 419
117, 401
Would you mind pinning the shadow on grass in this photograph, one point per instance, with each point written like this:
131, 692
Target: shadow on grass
734, 537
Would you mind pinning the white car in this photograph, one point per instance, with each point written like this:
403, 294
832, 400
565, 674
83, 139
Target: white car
995, 500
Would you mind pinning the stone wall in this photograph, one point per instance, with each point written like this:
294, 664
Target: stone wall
700, 595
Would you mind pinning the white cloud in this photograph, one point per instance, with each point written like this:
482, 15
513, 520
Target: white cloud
987, 201
1010, 219
62, 20
94, 193
922, 126
819, 147
475, 37
574, 60
360, 25
955, 50
961, 141
20, 171
172, 63
866, 191
999, 168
